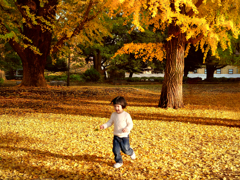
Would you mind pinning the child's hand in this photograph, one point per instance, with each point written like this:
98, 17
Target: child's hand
101, 127
125, 130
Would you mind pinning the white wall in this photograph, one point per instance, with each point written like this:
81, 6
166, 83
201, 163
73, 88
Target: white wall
203, 76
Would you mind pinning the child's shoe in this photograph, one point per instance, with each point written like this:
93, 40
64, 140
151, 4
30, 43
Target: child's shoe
117, 165
133, 156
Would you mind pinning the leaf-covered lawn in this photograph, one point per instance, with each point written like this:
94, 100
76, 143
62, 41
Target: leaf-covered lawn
54, 133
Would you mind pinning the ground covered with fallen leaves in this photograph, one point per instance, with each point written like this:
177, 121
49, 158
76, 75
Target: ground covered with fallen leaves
54, 133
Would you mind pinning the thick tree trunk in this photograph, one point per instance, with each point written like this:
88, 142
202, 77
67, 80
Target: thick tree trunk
130, 74
33, 71
171, 95
210, 71
33, 63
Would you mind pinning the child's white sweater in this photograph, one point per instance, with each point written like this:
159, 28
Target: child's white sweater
120, 121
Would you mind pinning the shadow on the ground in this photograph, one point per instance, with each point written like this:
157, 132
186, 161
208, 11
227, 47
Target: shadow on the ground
92, 102
22, 164
102, 110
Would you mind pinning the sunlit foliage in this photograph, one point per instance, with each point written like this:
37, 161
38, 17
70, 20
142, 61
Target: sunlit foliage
206, 23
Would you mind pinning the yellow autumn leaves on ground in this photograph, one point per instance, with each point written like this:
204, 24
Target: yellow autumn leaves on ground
55, 134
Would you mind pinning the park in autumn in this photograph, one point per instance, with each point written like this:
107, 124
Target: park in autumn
62, 62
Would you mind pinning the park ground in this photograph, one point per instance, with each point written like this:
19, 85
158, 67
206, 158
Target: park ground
54, 133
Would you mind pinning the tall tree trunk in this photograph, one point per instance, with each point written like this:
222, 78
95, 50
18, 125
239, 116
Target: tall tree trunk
171, 95
130, 74
210, 71
68, 71
97, 62
33, 63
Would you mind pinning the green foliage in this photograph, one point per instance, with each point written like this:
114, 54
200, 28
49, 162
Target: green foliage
157, 79
56, 78
9, 59
75, 77
1, 81
91, 75
115, 73
56, 64
145, 79
185, 79
133, 79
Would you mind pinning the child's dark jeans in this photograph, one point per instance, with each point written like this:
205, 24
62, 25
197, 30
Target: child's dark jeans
121, 144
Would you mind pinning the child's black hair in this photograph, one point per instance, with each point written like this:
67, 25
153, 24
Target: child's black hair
120, 100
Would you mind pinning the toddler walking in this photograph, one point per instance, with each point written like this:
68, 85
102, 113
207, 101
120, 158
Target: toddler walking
122, 126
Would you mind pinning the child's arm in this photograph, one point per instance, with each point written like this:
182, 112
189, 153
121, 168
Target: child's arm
107, 124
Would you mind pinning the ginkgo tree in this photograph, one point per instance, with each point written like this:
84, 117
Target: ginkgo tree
204, 23
31, 25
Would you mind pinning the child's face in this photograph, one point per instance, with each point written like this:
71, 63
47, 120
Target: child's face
118, 108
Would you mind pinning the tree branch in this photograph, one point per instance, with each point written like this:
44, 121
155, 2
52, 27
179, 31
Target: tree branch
190, 13
16, 46
194, 41
80, 27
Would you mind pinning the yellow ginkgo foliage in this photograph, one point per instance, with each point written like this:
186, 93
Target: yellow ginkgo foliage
208, 24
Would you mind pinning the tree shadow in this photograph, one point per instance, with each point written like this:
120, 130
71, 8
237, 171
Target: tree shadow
91, 107
35, 171
36, 152
15, 138
41, 172
11, 141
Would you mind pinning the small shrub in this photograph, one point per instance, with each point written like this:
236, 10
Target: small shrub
211, 79
116, 73
185, 79
75, 77
157, 79
1, 81
143, 79
56, 78
161, 79
134, 79
91, 75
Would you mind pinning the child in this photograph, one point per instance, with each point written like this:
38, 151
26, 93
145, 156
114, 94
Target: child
122, 126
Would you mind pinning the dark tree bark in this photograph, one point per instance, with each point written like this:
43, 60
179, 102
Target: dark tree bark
210, 71
68, 71
131, 74
33, 63
185, 72
97, 59
171, 95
